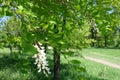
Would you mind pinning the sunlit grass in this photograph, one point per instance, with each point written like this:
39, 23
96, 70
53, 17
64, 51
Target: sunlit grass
101, 71
111, 55
4, 51
11, 68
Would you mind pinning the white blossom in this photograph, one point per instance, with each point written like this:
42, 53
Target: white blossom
40, 60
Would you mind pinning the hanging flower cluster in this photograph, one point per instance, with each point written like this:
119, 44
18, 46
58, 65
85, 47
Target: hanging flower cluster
40, 60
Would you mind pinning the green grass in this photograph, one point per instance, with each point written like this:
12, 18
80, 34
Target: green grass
96, 71
111, 55
4, 51
100, 70
19, 67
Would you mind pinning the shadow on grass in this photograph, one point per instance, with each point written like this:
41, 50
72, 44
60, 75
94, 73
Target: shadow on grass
19, 67
75, 72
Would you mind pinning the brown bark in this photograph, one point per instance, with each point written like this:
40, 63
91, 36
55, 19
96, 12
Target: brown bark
105, 38
56, 65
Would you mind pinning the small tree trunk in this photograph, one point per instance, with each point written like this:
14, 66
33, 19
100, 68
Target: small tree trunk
105, 37
56, 65
92, 36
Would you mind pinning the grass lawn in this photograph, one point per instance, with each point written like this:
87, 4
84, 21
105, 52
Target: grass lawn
111, 55
100, 70
18, 67
12, 68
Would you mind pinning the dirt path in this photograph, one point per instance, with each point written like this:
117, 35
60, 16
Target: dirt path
103, 62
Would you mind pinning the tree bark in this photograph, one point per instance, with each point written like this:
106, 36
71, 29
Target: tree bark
105, 38
56, 65
92, 36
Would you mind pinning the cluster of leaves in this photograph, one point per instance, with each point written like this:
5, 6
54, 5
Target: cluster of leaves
47, 25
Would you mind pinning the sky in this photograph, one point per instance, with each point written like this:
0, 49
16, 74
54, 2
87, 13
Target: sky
3, 20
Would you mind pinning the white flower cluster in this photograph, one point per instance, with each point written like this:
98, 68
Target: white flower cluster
40, 60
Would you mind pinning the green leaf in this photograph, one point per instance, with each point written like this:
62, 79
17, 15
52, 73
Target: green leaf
29, 49
109, 29
52, 22
75, 61
25, 71
61, 42
20, 7
81, 69
30, 4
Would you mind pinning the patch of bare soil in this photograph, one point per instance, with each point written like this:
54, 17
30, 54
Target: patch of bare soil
113, 65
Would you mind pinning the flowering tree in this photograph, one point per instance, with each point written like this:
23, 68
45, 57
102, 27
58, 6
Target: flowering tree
61, 24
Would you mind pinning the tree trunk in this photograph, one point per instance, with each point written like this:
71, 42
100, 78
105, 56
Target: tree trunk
92, 36
105, 37
56, 65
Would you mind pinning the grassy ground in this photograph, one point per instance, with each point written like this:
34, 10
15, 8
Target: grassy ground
22, 68
100, 70
111, 55
18, 67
